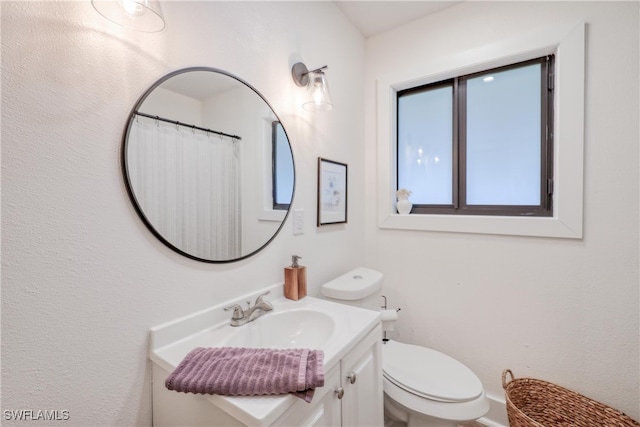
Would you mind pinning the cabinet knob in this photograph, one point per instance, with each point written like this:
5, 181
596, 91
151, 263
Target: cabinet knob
340, 393
352, 377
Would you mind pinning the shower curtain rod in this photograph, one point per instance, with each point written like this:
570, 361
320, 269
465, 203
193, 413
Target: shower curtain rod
162, 119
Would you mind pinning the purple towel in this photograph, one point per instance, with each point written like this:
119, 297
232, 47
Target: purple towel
237, 371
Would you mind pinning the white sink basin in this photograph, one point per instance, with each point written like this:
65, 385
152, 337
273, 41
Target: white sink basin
286, 329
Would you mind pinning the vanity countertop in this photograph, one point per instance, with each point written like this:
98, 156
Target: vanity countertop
171, 341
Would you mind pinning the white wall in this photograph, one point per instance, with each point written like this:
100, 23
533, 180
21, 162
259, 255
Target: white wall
172, 105
562, 310
83, 280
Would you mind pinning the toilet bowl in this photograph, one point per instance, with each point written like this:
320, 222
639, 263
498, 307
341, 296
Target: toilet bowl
422, 387
425, 387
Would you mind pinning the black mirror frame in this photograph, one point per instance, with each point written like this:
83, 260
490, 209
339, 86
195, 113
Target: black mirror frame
127, 182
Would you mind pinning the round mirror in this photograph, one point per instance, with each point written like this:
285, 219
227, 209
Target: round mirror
208, 165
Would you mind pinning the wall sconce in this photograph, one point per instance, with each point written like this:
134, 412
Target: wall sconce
139, 15
318, 97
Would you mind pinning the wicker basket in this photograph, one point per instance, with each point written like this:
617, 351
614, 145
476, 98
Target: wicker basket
536, 403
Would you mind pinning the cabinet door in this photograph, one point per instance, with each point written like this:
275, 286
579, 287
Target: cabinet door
324, 409
362, 404
325, 414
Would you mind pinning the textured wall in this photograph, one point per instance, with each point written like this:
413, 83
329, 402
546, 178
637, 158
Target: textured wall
82, 278
562, 310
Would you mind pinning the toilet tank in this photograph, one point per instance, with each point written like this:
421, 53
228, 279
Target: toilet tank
360, 287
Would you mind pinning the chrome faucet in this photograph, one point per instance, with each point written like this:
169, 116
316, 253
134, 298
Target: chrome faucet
241, 317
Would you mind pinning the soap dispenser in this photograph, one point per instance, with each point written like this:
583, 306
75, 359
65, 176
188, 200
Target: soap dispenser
295, 280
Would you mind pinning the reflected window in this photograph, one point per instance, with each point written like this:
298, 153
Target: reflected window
282, 170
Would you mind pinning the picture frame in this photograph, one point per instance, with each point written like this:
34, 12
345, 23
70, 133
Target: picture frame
332, 192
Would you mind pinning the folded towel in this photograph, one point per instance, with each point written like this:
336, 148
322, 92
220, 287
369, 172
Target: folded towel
235, 371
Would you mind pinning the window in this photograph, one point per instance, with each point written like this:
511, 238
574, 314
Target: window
567, 43
282, 168
479, 144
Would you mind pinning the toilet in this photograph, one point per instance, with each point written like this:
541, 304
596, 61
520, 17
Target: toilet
422, 387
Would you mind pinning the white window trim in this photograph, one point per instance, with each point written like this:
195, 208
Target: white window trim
568, 44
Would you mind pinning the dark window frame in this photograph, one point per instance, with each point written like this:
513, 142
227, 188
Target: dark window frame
459, 205
274, 169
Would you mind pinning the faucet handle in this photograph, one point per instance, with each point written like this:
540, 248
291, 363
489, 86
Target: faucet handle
260, 297
238, 313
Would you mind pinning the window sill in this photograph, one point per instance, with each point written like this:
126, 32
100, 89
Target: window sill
272, 215
515, 226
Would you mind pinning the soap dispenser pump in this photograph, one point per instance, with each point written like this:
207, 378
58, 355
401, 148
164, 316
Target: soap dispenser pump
295, 280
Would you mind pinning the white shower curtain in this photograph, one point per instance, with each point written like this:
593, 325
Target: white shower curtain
187, 183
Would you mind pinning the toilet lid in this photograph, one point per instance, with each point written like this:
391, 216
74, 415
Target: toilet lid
429, 373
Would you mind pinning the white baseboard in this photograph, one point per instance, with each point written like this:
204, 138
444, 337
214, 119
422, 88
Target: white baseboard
497, 415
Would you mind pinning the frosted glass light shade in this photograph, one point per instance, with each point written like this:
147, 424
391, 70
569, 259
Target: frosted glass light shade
318, 97
139, 15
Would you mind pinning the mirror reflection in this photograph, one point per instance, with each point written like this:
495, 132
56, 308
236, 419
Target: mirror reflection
208, 165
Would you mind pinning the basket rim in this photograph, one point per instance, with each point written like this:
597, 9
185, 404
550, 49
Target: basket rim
520, 380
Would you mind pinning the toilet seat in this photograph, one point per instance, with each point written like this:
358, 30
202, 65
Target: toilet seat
429, 374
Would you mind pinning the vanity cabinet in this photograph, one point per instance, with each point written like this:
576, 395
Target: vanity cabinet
362, 402
351, 338
323, 411
352, 394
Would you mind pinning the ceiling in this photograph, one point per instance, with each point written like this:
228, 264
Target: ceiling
374, 17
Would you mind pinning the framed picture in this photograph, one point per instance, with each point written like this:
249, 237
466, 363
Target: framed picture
332, 192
